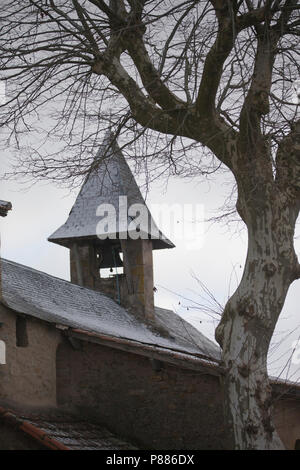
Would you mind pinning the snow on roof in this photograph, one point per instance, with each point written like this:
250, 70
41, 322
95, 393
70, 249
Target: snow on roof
109, 179
31, 292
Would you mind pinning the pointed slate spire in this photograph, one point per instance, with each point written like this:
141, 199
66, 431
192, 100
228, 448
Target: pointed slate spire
110, 181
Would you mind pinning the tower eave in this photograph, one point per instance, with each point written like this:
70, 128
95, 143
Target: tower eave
157, 243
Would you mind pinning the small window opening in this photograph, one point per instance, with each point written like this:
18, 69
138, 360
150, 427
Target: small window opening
21, 332
297, 444
2, 352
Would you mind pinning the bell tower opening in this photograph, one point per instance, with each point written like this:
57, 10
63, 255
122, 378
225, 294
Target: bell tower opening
97, 266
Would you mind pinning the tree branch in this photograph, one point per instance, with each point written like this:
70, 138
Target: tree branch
213, 66
143, 110
288, 164
156, 88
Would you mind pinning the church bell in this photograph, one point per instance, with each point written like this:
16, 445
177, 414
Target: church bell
108, 256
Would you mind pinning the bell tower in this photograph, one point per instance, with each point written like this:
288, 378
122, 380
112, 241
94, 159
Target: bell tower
111, 234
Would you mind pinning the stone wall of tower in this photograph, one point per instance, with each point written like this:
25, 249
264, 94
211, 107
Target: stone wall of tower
82, 266
138, 269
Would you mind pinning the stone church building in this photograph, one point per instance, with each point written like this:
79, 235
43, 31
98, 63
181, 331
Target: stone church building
93, 363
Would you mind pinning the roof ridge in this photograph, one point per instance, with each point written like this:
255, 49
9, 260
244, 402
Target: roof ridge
29, 268
33, 269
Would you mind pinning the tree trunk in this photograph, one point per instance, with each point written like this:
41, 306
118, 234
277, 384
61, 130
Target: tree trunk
249, 320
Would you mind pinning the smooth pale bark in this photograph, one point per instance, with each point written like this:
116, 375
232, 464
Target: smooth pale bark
249, 320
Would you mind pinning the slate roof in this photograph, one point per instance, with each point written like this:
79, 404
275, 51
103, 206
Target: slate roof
59, 430
109, 179
34, 293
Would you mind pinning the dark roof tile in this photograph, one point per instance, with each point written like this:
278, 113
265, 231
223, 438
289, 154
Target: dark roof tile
60, 430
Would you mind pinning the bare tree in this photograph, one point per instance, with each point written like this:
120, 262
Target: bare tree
213, 81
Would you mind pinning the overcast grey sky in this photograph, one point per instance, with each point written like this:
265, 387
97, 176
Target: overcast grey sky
217, 261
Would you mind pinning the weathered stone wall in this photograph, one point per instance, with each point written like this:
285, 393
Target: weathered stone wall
138, 268
287, 420
173, 408
168, 409
29, 375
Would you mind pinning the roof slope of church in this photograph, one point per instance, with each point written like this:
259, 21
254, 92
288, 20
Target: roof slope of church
31, 292
110, 179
